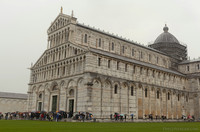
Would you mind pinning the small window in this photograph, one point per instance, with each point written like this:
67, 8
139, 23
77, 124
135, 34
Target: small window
198, 67
157, 59
131, 90
115, 89
99, 62
113, 46
99, 42
118, 65
199, 81
145, 92
108, 63
149, 57
133, 52
188, 68
123, 49
141, 54
158, 94
178, 97
168, 96
85, 40
133, 68
126, 67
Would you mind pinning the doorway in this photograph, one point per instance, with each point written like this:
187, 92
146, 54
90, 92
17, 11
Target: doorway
54, 103
39, 106
71, 106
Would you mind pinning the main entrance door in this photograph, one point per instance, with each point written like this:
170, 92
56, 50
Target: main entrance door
71, 106
54, 103
40, 106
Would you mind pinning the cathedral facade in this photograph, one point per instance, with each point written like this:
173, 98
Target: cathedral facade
89, 70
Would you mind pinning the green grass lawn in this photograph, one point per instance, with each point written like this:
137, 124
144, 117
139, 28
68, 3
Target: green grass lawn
45, 126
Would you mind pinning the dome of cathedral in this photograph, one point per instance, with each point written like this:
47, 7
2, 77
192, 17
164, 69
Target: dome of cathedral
166, 37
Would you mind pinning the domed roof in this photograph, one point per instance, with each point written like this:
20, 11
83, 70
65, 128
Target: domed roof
166, 37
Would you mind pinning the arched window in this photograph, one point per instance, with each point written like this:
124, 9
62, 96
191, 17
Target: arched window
168, 96
115, 89
40, 96
71, 92
145, 92
158, 94
85, 40
113, 46
55, 87
131, 90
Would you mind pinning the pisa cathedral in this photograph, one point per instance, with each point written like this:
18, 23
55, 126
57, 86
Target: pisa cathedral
86, 69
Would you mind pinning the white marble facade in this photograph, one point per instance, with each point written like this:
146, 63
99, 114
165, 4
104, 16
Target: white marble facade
103, 73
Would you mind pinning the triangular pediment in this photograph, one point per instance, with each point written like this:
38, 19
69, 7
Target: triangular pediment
60, 21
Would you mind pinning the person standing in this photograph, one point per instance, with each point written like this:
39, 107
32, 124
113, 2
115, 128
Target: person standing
132, 116
110, 116
57, 117
125, 117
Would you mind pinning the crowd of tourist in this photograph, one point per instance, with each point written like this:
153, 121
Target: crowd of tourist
81, 116
42, 115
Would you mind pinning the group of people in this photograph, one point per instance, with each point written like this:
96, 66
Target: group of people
59, 115
163, 117
38, 115
83, 116
43, 115
120, 117
189, 118
150, 117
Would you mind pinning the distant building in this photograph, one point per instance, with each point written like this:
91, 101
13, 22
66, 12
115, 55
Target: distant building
12, 102
87, 69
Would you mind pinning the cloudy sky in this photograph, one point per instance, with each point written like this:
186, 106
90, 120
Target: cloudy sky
24, 23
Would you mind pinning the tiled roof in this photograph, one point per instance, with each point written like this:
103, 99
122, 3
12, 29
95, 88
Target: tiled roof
135, 61
13, 95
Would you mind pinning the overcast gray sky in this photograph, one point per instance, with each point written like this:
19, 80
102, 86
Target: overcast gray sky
24, 23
